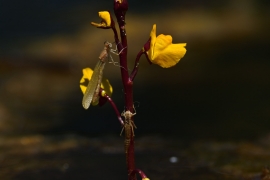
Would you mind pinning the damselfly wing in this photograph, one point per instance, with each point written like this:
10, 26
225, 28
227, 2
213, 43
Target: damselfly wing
93, 85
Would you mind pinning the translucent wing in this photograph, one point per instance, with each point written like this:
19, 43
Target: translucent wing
93, 84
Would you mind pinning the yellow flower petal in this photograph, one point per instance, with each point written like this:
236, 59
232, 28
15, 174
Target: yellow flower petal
162, 52
106, 20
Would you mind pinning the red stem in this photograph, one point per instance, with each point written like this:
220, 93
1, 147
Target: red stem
115, 108
143, 176
128, 90
136, 66
120, 11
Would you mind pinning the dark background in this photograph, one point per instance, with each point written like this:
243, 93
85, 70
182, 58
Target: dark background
219, 91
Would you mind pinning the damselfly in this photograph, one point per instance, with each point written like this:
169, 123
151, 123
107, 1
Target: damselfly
93, 87
128, 127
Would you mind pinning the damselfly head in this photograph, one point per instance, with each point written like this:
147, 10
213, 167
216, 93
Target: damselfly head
108, 44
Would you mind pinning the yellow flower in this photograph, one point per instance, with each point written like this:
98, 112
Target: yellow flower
162, 52
145, 179
105, 22
105, 84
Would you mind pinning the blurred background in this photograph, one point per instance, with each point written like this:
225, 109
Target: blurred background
215, 100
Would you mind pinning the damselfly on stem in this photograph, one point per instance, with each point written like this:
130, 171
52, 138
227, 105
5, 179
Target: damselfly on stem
92, 90
128, 127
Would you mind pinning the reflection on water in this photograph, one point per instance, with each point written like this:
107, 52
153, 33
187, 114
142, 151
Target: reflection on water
73, 156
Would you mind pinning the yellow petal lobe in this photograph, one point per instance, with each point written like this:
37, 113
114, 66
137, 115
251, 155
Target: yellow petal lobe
87, 74
152, 43
105, 15
106, 20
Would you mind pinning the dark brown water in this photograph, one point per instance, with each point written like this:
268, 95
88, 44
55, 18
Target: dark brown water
79, 157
